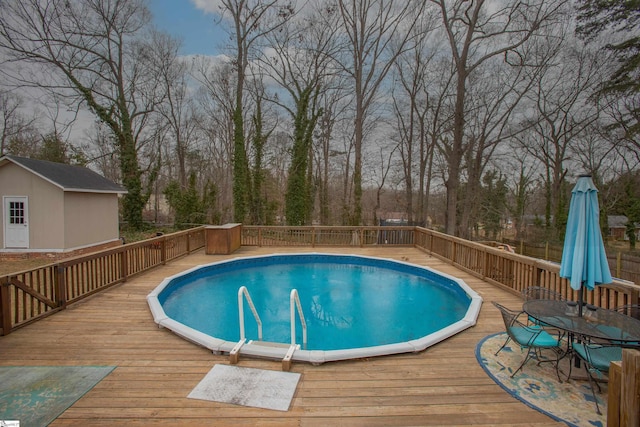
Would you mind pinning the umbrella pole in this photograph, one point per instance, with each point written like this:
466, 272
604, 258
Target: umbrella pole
580, 302
576, 360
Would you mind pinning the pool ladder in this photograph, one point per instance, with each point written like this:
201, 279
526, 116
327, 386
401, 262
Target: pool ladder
294, 303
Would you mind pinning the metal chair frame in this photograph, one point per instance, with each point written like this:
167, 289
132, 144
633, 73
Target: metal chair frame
532, 338
596, 357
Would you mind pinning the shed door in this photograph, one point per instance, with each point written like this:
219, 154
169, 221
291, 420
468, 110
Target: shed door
16, 222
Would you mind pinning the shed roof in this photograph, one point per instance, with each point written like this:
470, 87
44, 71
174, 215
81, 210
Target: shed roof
617, 221
66, 177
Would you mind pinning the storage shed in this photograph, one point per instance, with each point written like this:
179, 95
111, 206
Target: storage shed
50, 207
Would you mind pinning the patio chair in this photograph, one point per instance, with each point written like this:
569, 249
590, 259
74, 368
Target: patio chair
596, 357
632, 310
532, 338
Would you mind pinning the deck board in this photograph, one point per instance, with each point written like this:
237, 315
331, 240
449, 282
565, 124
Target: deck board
156, 370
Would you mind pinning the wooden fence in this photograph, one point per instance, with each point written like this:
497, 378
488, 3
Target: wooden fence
623, 265
30, 295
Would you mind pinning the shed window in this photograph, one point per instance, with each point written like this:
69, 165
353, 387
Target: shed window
16, 212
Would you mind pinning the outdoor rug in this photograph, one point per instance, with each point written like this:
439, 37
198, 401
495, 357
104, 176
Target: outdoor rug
37, 395
247, 386
538, 387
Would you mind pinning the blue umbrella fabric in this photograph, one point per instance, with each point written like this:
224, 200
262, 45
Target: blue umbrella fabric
584, 260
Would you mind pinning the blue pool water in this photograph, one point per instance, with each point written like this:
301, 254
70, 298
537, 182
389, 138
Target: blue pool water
348, 301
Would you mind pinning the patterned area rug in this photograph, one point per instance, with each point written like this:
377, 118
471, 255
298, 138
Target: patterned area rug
37, 395
247, 386
537, 386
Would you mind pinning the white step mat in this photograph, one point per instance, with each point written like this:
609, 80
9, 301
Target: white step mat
248, 387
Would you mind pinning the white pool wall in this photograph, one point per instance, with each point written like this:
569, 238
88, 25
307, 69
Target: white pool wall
217, 345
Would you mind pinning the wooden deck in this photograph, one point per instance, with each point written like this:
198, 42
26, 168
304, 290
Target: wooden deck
156, 370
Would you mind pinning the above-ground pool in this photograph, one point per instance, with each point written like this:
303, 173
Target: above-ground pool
351, 306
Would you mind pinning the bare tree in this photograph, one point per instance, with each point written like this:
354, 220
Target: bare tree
621, 113
597, 152
264, 122
177, 112
436, 117
411, 102
216, 100
386, 162
377, 32
301, 64
521, 187
103, 152
251, 20
94, 53
563, 114
478, 31
333, 108
12, 120
492, 105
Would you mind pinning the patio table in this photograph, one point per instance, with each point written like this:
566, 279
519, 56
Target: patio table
595, 322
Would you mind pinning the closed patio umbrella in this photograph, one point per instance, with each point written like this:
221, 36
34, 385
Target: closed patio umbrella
584, 261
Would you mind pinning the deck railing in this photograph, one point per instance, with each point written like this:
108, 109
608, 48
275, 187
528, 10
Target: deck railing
30, 295
516, 272
506, 270
317, 236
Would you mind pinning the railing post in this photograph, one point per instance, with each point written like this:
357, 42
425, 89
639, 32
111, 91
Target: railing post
163, 250
61, 286
613, 398
189, 242
431, 243
453, 252
313, 237
5, 306
124, 265
630, 396
623, 406
538, 276
634, 296
485, 262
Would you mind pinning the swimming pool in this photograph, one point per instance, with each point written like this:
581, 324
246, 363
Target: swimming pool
353, 306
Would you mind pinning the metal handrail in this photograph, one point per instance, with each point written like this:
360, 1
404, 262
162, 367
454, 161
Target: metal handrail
243, 291
294, 300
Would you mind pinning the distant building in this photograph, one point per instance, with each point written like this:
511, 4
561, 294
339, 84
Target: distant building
617, 225
399, 219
